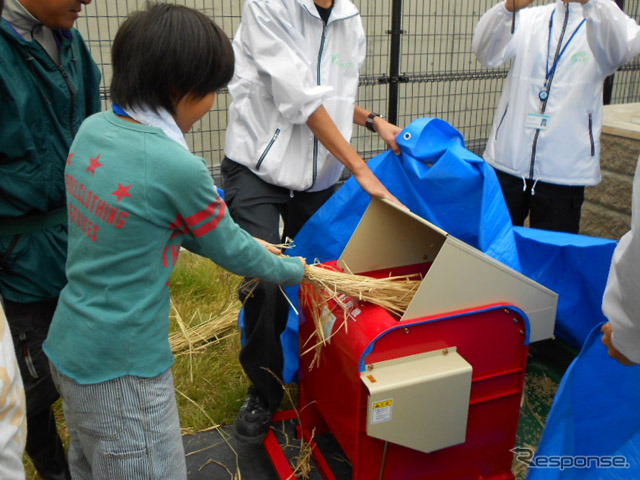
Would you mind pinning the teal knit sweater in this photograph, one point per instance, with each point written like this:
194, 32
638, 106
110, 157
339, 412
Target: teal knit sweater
134, 198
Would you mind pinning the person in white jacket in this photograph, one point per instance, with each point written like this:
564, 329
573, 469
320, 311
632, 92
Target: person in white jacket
545, 138
290, 122
621, 303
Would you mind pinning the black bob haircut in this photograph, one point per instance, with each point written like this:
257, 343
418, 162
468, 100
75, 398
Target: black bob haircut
165, 52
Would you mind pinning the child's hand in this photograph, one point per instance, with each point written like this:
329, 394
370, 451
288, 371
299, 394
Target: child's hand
273, 249
303, 260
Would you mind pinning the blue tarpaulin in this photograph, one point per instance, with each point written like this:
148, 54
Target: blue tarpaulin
594, 414
441, 181
575, 266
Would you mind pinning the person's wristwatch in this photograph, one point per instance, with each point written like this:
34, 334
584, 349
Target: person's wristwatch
372, 116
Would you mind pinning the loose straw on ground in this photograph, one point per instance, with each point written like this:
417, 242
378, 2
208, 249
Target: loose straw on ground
191, 339
330, 284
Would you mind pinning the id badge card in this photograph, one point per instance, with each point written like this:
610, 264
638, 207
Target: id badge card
538, 121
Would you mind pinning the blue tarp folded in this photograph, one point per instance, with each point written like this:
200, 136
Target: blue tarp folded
575, 266
594, 413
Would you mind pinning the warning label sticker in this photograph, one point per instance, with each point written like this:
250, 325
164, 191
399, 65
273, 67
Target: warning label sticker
381, 411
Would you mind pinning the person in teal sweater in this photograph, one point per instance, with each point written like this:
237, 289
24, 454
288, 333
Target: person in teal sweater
48, 85
135, 196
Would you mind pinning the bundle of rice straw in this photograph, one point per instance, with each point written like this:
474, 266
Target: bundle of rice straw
194, 338
330, 284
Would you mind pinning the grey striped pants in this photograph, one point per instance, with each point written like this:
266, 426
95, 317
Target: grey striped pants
125, 428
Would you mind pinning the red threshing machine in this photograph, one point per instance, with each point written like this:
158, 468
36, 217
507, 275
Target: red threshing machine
434, 394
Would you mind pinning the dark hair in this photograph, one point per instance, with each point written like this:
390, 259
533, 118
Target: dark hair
165, 52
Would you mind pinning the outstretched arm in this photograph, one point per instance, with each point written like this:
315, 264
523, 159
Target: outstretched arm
387, 131
325, 129
621, 302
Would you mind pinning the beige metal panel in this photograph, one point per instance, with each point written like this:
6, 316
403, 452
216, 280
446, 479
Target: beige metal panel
460, 276
388, 237
463, 277
420, 401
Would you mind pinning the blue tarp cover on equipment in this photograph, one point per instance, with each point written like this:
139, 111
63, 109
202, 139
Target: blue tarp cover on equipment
441, 181
576, 267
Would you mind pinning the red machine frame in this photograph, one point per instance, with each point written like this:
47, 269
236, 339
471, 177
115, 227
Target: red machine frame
493, 339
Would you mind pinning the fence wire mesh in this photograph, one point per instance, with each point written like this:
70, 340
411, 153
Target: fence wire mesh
440, 76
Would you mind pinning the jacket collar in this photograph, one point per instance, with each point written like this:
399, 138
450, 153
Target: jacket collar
21, 19
341, 9
561, 7
27, 27
574, 10
27, 30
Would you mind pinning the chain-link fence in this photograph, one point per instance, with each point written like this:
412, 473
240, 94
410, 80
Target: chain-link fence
429, 71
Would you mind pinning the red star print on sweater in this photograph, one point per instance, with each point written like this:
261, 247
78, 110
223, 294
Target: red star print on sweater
95, 163
122, 191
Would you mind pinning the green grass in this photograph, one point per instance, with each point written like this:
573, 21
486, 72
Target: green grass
547, 363
213, 378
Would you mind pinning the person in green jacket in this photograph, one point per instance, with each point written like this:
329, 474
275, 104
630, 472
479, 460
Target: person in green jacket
48, 85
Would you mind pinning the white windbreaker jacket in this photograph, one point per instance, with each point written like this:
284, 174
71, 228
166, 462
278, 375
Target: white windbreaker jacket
568, 151
621, 303
288, 64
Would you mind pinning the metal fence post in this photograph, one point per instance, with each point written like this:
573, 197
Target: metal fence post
394, 60
607, 90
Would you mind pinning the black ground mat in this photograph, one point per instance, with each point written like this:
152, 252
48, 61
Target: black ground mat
209, 456
216, 454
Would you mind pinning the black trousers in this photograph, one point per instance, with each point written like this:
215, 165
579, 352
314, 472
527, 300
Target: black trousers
29, 324
549, 206
257, 207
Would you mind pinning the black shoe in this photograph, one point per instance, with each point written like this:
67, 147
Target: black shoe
254, 420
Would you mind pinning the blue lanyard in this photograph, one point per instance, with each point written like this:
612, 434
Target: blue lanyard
118, 110
550, 73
